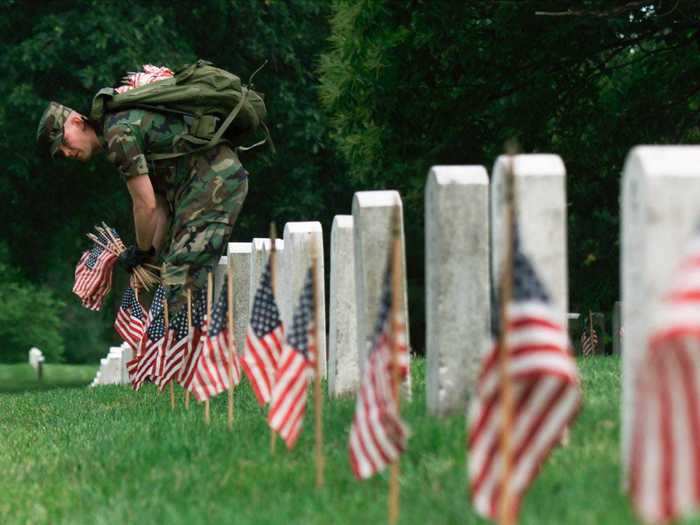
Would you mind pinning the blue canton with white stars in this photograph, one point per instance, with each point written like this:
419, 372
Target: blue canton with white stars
131, 304
219, 313
157, 327
384, 307
265, 316
299, 335
179, 325
95, 252
199, 309
526, 284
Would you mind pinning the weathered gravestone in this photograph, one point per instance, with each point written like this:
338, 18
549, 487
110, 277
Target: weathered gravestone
343, 372
617, 331
219, 277
36, 356
300, 240
660, 205
36, 361
126, 355
259, 255
540, 182
373, 213
112, 369
457, 283
239, 258
575, 322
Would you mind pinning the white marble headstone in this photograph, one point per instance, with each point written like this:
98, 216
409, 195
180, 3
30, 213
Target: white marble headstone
343, 370
299, 237
660, 210
373, 213
540, 182
457, 283
239, 257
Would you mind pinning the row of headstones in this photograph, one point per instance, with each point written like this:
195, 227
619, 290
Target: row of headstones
112, 370
464, 228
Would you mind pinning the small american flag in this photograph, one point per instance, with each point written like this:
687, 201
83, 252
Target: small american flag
378, 435
175, 347
215, 366
131, 320
545, 386
93, 276
151, 343
296, 366
199, 322
665, 453
589, 341
263, 344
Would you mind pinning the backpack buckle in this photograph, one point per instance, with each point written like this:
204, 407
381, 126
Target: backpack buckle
204, 126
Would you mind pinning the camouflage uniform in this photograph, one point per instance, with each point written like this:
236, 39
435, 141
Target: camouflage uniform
204, 191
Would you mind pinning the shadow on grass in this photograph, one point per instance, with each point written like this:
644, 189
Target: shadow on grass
35, 386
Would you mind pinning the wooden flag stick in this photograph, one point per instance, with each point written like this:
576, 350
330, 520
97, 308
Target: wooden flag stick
166, 319
210, 286
316, 338
189, 341
231, 347
273, 258
396, 296
506, 514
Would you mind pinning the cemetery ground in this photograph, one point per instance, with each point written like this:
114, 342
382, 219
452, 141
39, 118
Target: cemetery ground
110, 455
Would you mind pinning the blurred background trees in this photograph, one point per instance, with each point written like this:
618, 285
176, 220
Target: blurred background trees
363, 94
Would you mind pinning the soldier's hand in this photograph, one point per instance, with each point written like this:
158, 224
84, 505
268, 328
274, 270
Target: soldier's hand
133, 257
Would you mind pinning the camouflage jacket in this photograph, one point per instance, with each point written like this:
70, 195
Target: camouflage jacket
128, 136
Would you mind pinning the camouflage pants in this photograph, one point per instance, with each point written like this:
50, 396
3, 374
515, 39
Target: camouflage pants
205, 195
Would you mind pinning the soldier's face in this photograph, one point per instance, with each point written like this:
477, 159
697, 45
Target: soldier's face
79, 140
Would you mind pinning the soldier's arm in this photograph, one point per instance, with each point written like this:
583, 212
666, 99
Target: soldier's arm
162, 219
125, 151
146, 213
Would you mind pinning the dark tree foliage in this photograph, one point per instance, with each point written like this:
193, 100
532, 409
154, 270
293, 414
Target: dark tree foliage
404, 84
412, 84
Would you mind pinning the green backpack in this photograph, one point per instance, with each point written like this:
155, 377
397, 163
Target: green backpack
215, 104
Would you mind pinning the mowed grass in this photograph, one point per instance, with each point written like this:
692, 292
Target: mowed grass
109, 455
23, 378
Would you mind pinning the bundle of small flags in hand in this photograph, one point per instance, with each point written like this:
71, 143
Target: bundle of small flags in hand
93, 274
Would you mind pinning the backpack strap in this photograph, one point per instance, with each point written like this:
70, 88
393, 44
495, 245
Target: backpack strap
205, 144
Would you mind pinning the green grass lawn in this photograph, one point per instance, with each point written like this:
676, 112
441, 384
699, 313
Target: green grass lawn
23, 378
109, 455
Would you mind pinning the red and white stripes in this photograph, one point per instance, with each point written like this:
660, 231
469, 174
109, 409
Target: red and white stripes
546, 396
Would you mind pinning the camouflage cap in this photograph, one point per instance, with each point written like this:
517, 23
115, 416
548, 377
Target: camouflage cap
49, 134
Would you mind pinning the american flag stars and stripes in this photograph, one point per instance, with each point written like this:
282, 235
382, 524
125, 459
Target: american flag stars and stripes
665, 451
93, 276
378, 435
199, 322
175, 348
151, 343
295, 369
589, 341
216, 366
130, 323
264, 338
545, 386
